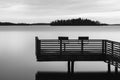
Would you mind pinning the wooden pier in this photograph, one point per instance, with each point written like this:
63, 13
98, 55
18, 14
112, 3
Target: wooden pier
81, 49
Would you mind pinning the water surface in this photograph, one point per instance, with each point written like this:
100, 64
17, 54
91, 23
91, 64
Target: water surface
17, 49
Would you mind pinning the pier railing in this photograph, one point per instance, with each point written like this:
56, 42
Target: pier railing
56, 47
110, 50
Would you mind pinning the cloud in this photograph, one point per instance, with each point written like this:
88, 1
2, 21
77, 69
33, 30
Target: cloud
108, 5
52, 9
107, 2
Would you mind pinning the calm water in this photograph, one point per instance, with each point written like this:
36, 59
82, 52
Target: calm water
17, 49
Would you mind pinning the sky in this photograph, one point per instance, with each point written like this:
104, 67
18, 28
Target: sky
30, 11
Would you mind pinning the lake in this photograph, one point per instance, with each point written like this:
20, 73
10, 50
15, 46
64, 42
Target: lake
17, 49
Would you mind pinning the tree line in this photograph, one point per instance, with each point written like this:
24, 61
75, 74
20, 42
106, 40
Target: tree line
78, 21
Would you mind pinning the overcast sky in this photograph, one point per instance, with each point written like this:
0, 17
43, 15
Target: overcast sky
107, 11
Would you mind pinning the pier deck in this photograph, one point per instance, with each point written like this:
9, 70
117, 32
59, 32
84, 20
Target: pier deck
81, 49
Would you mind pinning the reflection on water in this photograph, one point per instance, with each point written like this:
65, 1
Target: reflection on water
77, 76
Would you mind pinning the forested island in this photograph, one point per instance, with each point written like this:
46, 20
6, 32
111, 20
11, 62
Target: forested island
75, 22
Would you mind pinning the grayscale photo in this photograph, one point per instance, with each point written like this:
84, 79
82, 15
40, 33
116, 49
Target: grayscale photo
59, 39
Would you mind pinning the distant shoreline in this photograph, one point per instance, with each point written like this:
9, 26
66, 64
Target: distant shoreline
37, 24
68, 22
21, 24
26, 24
57, 25
45, 24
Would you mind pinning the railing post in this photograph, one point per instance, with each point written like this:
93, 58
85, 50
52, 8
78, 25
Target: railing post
60, 47
64, 46
112, 51
104, 49
112, 48
61, 42
103, 46
40, 47
82, 44
37, 47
